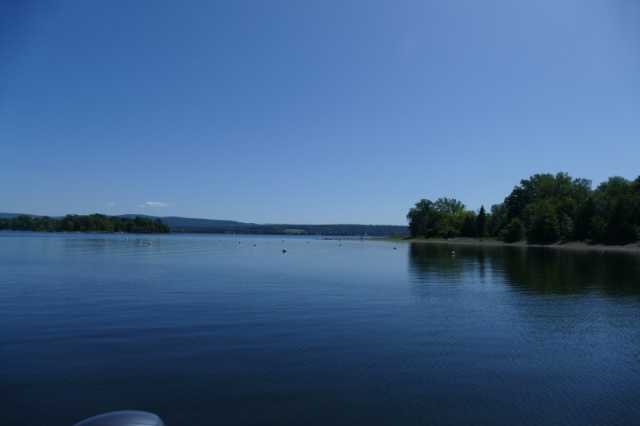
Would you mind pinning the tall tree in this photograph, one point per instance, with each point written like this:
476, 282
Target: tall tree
419, 218
481, 223
617, 203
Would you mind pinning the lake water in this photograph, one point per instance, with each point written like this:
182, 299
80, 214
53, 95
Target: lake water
220, 330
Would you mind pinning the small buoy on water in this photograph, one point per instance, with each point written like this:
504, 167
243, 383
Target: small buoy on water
284, 250
453, 252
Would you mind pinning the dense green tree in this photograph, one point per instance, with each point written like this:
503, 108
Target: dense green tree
568, 198
541, 222
449, 218
420, 217
567, 229
597, 229
468, 228
514, 231
584, 213
24, 223
481, 223
47, 224
566, 193
69, 223
617, 202
498, 220
448, 205
448, 225
442, 218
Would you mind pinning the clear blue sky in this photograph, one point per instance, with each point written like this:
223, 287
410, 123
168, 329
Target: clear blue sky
309, 111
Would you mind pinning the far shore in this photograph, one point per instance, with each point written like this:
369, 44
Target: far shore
633, 247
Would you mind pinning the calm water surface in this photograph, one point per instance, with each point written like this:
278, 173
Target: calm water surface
219, 330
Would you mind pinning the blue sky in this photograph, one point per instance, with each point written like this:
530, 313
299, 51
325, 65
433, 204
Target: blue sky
309, 111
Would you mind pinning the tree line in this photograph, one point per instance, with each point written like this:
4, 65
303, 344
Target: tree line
544, 209
89, 223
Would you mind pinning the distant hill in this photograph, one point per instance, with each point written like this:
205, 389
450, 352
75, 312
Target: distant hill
193, 225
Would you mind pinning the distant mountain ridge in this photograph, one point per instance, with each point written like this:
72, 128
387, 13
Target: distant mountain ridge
195, 225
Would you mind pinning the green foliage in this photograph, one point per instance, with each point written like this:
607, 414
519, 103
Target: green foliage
294, 231
566, 228
421, 218
90, 223
448, 205
469, 225
481, 223
514, 231
541, 222
497, 220
617, 202
443, 218
552, 207
597, 229
545, 208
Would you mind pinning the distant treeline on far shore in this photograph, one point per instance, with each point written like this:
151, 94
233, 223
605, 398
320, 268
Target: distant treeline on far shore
147, 224
542, 209
330, 230
89, 223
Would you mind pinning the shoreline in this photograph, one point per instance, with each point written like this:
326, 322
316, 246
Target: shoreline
580, 246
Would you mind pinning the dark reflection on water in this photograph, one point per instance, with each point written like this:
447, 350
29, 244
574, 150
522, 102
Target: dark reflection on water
538, 269
550, 329
547, 270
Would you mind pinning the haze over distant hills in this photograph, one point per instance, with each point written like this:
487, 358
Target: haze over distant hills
195, 225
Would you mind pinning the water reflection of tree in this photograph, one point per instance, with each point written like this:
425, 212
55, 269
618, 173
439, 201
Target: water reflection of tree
541, 270
545, 270
435, 262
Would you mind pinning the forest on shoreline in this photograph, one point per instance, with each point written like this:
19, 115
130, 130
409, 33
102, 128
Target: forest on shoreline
88, 223
148, 224
543, 209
